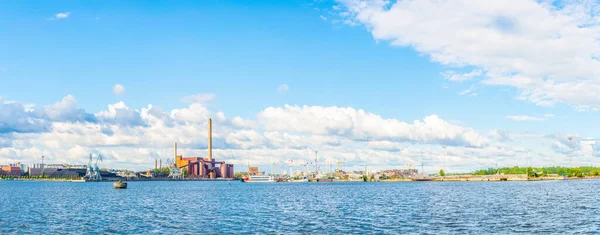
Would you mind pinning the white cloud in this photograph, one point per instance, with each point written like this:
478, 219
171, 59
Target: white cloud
323, 18
204, 98
385, 145
133, 138
468, 91
62, 15
524, 118
530, 118
283, 88
120, 114
64, 111
15, 118
458, 77
118, 89
359, 124
500, 135
554, 62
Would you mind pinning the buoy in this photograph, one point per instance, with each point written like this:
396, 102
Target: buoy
120, 184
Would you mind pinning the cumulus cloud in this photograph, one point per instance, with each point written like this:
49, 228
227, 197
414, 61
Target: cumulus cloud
500, 135
497, 43
120, 114
64, 111
15, 118
133, 138
118, 89
359, 124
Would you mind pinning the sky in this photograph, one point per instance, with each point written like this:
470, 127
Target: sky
455, 85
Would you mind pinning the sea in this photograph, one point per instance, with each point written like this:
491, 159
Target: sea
194, 207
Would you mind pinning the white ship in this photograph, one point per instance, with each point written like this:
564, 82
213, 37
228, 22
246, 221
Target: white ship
261, 179
304, 179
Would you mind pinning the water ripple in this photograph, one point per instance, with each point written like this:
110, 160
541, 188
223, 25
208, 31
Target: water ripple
300, 208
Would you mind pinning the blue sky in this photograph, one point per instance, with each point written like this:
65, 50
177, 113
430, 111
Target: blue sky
327, 53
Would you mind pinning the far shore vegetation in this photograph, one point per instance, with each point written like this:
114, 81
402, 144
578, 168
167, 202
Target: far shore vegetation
581, 171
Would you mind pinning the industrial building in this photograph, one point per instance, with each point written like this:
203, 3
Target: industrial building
253, 170
50, 169
207, 168
12, 170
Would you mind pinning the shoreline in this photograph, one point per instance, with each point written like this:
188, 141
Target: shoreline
467, 178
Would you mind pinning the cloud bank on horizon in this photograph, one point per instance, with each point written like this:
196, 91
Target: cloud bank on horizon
133, 138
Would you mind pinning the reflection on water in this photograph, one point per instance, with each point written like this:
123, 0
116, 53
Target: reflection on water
300, 208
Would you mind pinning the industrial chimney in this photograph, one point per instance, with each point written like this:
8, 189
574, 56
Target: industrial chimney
209, 139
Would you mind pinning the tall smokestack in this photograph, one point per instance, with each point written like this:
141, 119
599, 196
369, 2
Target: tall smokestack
175, 150
209, 139
155, 163
161, 163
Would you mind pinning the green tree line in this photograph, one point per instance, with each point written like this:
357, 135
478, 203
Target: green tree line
542, 171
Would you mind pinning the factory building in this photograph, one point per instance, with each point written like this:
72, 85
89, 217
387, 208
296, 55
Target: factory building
198, 167
49, 169
11, 169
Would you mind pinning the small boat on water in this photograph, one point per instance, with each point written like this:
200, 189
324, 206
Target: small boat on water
304, 179
120, 184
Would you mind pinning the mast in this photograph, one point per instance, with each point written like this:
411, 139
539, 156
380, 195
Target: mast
316, 162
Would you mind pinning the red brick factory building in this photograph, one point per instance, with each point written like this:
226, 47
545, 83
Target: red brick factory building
207, 168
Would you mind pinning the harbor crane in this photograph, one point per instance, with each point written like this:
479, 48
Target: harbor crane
90, 169
339, 169
174, 171
93, 172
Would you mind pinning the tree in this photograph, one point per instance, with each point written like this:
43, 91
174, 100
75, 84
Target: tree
442, 172
576, 172
184, 172
531, 172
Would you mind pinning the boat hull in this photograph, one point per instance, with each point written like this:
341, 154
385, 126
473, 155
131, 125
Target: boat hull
261, 179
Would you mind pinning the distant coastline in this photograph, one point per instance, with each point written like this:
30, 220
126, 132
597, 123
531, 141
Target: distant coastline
461, 178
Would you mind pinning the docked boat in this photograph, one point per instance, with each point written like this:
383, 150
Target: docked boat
120, 184
260, 179
300, 180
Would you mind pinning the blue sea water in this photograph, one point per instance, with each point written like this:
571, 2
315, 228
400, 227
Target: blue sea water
300, 208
